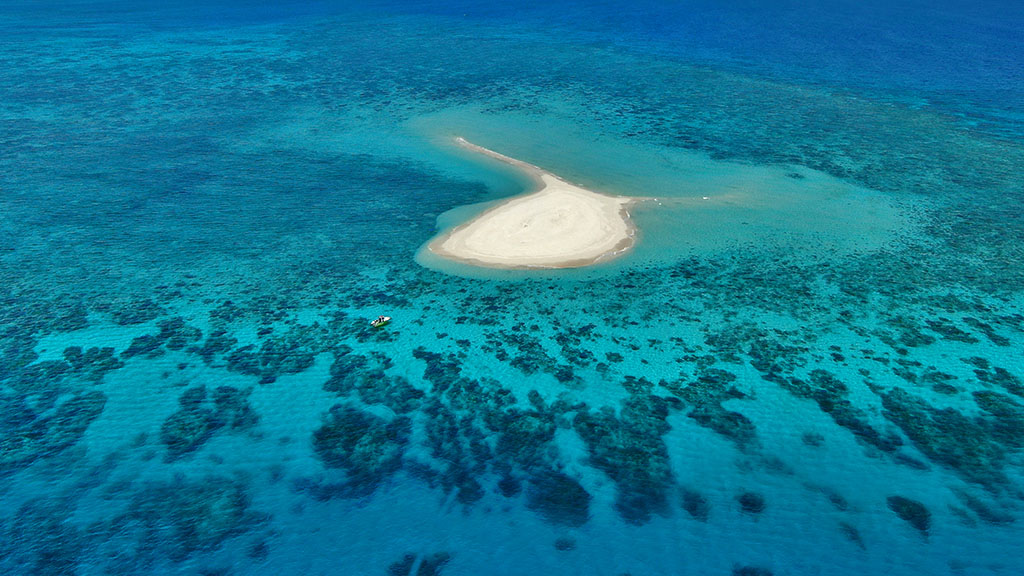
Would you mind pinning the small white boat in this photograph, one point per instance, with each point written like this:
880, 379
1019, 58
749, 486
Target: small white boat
380, 321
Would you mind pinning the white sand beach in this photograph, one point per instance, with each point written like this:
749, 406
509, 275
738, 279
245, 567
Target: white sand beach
558, 226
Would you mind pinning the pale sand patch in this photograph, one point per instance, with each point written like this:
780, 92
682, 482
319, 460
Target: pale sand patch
558, 226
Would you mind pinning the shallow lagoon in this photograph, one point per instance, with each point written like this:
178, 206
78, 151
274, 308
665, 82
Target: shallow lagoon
692, 205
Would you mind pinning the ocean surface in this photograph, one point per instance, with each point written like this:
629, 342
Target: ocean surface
810, 364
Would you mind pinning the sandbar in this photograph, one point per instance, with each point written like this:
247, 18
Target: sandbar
560, 225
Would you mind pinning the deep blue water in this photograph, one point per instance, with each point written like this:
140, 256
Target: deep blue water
810, 363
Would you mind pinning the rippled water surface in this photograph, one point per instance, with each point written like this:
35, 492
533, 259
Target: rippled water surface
810, 364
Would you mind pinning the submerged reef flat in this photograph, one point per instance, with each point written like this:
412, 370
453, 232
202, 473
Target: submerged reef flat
815, 370
557, 226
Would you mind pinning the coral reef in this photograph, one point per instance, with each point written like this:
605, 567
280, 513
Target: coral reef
947, 437
912, 512
696, 505
200, 415
713, 387
852, 534
29, 433
180, 518
631, 451
565, 544
429, 565
558, 498
43, 540
368, 448
831, 396
751, 502
751, 571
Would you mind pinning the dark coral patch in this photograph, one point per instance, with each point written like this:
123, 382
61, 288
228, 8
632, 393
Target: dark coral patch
367, 447
912, 512
274, 357
200, 415
42, 538
31, 432
429, 565
988, 331
751, 571
986, 512
696, 505
525, 435
176, 334
365, 375
147, 345
706, 395
1007, 424
233, 408
1003, 378
50, 378
751, 502
813, 439
565, 544
969, 446
433, 564
402, 566
183, 517
92, 363
831, 396
191, 426
137, 312
852, 534
509, 486
630, 448
558, 499
949, 331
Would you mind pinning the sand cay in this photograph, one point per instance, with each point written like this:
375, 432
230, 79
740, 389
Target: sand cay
558, 226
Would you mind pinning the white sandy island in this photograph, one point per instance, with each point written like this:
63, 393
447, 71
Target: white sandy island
558, 226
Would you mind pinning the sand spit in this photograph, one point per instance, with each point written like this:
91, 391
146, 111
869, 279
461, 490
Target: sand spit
558, 226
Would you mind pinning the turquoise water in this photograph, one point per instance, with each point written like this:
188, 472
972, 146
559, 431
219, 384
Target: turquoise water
810, 364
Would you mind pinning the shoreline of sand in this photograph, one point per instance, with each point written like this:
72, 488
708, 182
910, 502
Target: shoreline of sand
559, 225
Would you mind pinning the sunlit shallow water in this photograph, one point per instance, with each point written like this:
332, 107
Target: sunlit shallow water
812, 370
